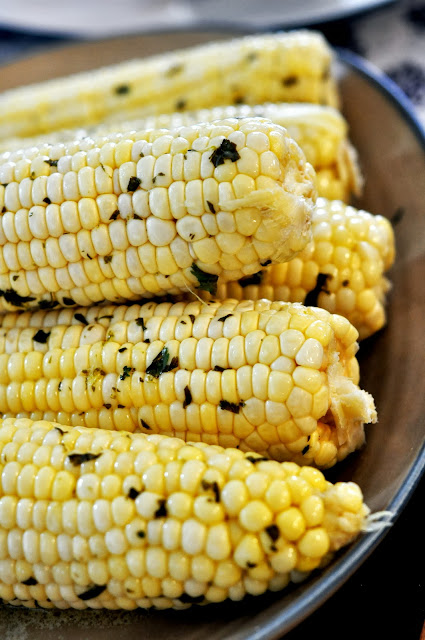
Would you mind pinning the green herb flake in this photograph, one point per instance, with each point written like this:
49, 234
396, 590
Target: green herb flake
192, 318
107, 405
211, 206
266, 263
92, 592
68, 302
141, 534
226, 151
207, 281
306, 448
161, 512
12, 297
257, 459
187, 397
80, 318
78, 459
141, 323
4, 210
51, 163
47, 304
122, 349
289, 81
231, 406
273, 532
160, 364
127, 371
223, 318
180, 104
345, 283
211, 486
41, 336
122, 89
255, 278
145, 425
133, 493
47, 200
107, 259
311, 299
115, 215
134, 183
30, 582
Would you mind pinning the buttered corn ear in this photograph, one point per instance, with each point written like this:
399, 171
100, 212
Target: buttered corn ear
271, 377
96, 519
341, 269
321, 132
276, 67
165, 211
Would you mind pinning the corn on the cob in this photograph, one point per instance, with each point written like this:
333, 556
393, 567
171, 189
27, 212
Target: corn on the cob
271, 377
341, 269
276, 67
153, 215
93, 518
320, 131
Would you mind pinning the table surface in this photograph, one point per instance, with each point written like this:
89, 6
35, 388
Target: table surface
388, 591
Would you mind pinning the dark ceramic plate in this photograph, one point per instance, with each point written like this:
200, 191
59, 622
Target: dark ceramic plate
391, 145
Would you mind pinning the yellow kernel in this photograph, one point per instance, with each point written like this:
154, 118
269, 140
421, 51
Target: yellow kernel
314, 543
291, 523
255, 516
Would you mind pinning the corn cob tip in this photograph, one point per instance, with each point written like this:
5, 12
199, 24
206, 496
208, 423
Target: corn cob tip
97, 518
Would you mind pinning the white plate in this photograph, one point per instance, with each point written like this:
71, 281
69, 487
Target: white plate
96, 19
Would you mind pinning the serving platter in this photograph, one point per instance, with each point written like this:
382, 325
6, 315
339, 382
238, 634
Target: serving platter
391, 145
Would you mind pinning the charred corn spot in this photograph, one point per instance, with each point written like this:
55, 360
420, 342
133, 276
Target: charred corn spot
137, 88
320, 131
341, 270
144, 232
130, 520
272, 377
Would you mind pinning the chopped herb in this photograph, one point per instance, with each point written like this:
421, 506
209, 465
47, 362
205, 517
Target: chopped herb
145, 425
126, 372
173, 70
231, 406
207, 281
105, 317
68, 302
345, 283
47, 200
267, 262
255, 278
211, 206
218, 368
120, 406
226, 151
4, 184
141, 323
80, 318
161, 173
223, 318
191, 236
79, 458
122, 89
30, 581
115, 215
107, 259
14, 278
187, 397
122, 349
312, 296
192, 317
133, 183
250, 565
51, 163
273, 532
92, 592
133, 493
306, 448
212, 486
289, 81
161, 512
238, 100
180, 104
60, 386
255, 459
12, 297
182, 321
47, 304
41, 336
61, 431
4, 210
397, 216
146, 341
141, 534
187, 599
160, 364
107, 406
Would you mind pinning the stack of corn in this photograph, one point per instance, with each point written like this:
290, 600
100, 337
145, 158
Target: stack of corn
239, 397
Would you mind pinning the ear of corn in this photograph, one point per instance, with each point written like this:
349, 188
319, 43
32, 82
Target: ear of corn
165, 211
320, 131
270, 377
342, 269
100, 519
276, 67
